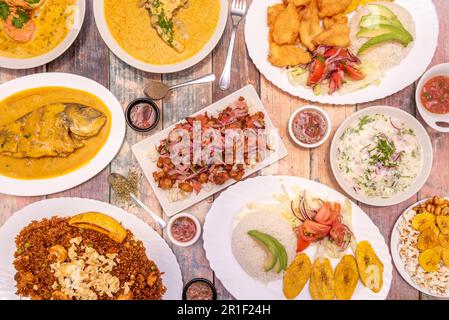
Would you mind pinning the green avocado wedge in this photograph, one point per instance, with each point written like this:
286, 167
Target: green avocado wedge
381, 10
384, 29
402, 38
276, 253
373, 21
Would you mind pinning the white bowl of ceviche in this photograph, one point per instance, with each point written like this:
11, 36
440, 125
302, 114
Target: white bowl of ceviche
381, 156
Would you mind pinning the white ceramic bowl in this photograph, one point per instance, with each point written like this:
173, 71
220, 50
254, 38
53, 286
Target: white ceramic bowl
10, 63
433, 119
194, 239
423, 139
102, 26
326, 135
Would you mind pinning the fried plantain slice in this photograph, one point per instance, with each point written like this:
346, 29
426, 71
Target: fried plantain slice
428, 239
296, 276
101, 223
443, 239
443, 224
429, 226
421, 219
346, 278
430, 259
322, 284
445, 256
370, 267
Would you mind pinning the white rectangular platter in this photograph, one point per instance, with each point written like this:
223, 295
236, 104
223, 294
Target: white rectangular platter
142, 152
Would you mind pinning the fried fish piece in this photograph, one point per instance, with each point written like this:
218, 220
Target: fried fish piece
330, 8
339, 18
322, 283
310, 25
296, 276
288, 55
336, 36
298, 3
273, 13
286, 27
346, 278
370, 267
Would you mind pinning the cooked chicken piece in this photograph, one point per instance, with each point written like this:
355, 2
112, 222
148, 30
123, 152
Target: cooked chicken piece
330, 8
288, 55
339, 18
310, 25
336, 36
286, 26
298, 3
272, 14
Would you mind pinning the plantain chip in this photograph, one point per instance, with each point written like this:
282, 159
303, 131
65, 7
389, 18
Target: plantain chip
429, 226
346, 278
445, 256
322, 285
421, 219
443, 224
427, 240
429, 260
370, 267
101, 223
296, 276
443, 239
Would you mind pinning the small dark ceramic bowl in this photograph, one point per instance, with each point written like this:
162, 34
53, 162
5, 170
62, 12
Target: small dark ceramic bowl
210, 284
136, 102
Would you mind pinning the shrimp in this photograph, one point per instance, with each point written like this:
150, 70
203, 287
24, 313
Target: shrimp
24, 4
22, 35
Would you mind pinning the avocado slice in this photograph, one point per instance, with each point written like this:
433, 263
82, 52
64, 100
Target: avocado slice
277, 256
383, 29
374, 21
402, 38
381, 10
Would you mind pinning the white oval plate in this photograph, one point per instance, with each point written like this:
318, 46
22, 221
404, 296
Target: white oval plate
141, 65
394, 244
17, 187
424, 141
10, 63
218, 229
396, 79
156, 248
430, 118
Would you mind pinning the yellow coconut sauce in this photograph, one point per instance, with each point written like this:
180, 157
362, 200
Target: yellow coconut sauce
131, 28
53, 22
22, 103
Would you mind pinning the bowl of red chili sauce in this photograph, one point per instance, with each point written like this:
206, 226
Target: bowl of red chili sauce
184, 229
432, 97
309, 127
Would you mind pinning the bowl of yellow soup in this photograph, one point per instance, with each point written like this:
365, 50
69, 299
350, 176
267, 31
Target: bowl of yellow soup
35, 34
161, 36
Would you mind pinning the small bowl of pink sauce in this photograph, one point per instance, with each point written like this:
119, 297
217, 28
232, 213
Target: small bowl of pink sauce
142, 115
184, 229
309, 127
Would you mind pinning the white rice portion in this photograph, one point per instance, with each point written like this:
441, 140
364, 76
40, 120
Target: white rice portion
250, 255
389, 54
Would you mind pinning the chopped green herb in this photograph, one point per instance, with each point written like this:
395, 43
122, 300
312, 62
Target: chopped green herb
4, 10
21, 18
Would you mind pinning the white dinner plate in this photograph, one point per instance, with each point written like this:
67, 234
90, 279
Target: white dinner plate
156, 248
18, 187
100, 20
219, 224
12, 63
142, 151
423, 139
396, 79
394, 246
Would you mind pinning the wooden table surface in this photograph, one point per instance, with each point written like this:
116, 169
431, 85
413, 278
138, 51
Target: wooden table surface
90, 57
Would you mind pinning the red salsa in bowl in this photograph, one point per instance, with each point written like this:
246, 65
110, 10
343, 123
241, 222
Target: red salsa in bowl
309, 127
435, 95
184, 229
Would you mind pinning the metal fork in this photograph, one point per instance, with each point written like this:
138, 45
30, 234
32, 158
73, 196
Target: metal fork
238, 12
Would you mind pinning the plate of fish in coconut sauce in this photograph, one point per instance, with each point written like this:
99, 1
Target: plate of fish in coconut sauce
65, 133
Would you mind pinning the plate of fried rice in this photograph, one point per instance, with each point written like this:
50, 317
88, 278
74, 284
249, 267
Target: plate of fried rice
81, 249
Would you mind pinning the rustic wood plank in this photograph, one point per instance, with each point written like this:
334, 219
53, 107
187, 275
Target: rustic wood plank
180, 104
438, 183
87, 57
